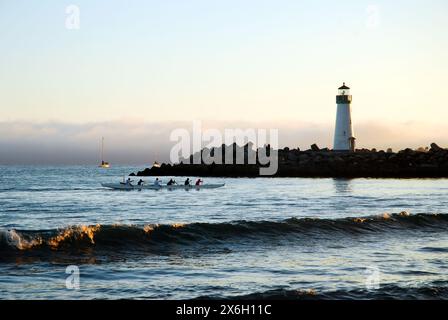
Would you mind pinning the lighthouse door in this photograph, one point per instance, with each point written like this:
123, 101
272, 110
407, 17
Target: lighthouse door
351, 142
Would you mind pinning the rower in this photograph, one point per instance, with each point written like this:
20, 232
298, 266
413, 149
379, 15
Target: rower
187, 182
199, 182
171, 182
128, 182
157, 182
140, 182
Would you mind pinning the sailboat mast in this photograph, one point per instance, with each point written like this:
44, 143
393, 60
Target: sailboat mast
102, 149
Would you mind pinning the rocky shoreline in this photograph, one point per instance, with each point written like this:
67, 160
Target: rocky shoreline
324, 163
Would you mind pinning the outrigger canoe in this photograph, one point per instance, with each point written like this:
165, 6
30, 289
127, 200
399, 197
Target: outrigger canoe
122, 186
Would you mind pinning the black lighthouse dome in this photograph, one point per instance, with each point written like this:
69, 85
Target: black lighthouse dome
344, 87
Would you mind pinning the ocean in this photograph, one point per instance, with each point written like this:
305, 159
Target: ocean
254, 238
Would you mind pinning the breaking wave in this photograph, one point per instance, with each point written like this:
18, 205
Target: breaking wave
151, 237
386, 292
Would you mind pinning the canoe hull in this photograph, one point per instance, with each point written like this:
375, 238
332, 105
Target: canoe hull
120, 186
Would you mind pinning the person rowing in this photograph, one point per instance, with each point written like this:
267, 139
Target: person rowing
140, 182
199, 182
157, 182
187, 182
129, 182
171, 182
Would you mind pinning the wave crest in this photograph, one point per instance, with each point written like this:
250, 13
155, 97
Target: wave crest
387, 292
153, 235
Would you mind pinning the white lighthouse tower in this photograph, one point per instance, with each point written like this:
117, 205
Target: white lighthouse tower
344, 139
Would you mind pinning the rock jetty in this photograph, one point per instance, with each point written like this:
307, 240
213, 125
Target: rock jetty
426, 162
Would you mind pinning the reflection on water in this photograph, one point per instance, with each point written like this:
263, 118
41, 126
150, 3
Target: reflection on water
342, 186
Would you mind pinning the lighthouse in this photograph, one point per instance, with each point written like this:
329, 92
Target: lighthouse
344, 139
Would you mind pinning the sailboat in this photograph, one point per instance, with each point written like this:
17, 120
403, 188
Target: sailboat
104, 164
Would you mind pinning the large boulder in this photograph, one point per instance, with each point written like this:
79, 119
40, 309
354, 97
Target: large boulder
435, 147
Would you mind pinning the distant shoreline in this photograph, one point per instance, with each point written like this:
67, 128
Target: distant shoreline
323, 163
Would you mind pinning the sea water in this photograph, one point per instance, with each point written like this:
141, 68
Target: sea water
253, 238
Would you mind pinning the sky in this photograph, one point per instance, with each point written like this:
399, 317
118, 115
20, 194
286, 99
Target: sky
135, 70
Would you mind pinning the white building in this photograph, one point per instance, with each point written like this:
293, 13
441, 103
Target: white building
344, 139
